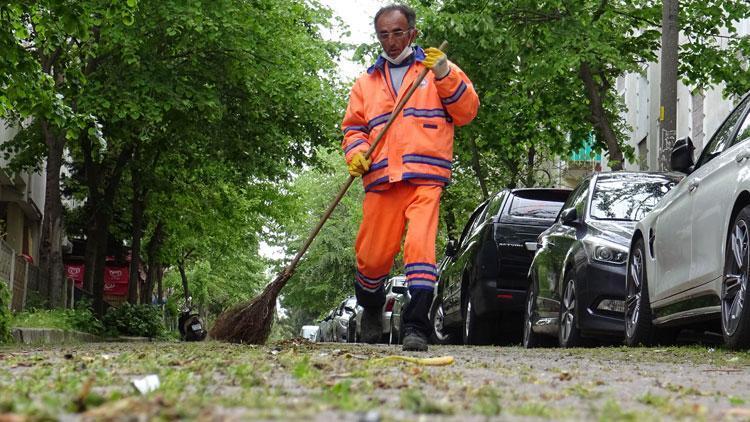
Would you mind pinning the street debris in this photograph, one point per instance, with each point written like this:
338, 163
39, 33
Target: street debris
146, 384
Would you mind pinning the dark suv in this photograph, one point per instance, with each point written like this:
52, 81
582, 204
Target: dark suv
483, 280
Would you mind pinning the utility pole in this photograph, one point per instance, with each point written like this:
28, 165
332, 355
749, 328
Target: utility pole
670, 33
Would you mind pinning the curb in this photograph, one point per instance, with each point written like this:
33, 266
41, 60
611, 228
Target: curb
51, 336
57, 336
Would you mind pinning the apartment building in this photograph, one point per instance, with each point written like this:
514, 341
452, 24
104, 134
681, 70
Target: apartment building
21, 204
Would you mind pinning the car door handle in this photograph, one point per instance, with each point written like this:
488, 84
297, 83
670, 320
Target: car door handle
742, 156
693, 185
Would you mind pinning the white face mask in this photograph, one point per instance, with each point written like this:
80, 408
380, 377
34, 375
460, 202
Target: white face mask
401, 57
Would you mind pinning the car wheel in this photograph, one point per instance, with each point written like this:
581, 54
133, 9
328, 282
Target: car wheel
569, 335
439, 333
530, 338
350, 331
395, 333
639, 329
476, 330
735, 319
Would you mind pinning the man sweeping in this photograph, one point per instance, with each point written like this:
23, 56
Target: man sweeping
406, 173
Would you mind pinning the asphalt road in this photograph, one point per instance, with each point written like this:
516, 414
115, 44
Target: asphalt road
326, 382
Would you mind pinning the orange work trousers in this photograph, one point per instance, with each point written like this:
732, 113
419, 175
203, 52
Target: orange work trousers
386, 214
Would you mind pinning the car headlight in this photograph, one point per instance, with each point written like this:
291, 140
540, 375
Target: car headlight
611, 255
607, 252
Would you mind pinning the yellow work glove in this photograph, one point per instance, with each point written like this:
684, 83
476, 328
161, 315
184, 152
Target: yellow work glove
359, 165
436, 61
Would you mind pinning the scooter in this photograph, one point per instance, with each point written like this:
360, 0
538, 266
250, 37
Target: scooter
190, 323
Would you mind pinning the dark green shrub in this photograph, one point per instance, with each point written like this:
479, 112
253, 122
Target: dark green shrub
82, 318
5, 315
134, 320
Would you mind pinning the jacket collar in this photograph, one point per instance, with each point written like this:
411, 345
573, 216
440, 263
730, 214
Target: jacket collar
418, 56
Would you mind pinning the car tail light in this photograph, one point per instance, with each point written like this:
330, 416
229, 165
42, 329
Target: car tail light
389, 304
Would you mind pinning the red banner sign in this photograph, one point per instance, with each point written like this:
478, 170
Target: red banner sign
75, 272
115, 278
116, 281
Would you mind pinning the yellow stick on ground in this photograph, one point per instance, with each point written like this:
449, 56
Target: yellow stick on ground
441, 361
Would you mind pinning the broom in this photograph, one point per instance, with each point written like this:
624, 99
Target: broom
250, 322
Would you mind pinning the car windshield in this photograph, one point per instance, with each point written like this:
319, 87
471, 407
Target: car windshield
535, 208
628, 198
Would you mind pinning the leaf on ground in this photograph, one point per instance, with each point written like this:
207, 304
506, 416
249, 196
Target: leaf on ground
565, 376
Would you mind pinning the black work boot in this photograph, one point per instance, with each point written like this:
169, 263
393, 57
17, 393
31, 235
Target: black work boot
372, 324
414, 341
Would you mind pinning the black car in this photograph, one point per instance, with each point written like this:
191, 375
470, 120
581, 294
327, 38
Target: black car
483, 278
577, 279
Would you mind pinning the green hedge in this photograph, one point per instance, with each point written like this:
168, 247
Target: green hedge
5, 315
80, 319
135, 320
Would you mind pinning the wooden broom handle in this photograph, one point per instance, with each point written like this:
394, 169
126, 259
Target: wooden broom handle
396, 111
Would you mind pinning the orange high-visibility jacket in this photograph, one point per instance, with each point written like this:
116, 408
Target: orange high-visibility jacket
419, 144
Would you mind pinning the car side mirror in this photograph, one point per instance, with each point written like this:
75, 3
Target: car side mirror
681, 158
450, 248
569, 216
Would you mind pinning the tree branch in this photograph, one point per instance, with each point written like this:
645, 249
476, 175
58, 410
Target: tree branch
599, 11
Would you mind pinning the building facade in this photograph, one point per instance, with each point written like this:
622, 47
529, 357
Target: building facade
21, 204
699, 113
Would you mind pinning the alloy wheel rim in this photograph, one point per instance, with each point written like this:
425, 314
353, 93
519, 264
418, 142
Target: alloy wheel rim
439, 323
734, 284
635, 290
528, 323
568, 314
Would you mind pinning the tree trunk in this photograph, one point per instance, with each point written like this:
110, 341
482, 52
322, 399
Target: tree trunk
50, 253
530, 157
512, 166
99, 243
102, 189
154, 263
183, 276
159, 285
595, 92
92, 249
476, 165
138, 207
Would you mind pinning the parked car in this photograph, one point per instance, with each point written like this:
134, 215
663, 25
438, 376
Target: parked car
689, 257
310, 332
439, 334
483, 280
394, 287
577, 278
326, 327
341, 318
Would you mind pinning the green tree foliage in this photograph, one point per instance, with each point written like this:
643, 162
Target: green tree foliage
203, 107
546, 70
326, 273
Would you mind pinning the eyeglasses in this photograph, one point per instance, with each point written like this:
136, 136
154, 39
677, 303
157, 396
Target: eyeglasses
382, 36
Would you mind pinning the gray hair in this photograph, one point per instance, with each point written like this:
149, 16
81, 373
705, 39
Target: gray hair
408, 12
